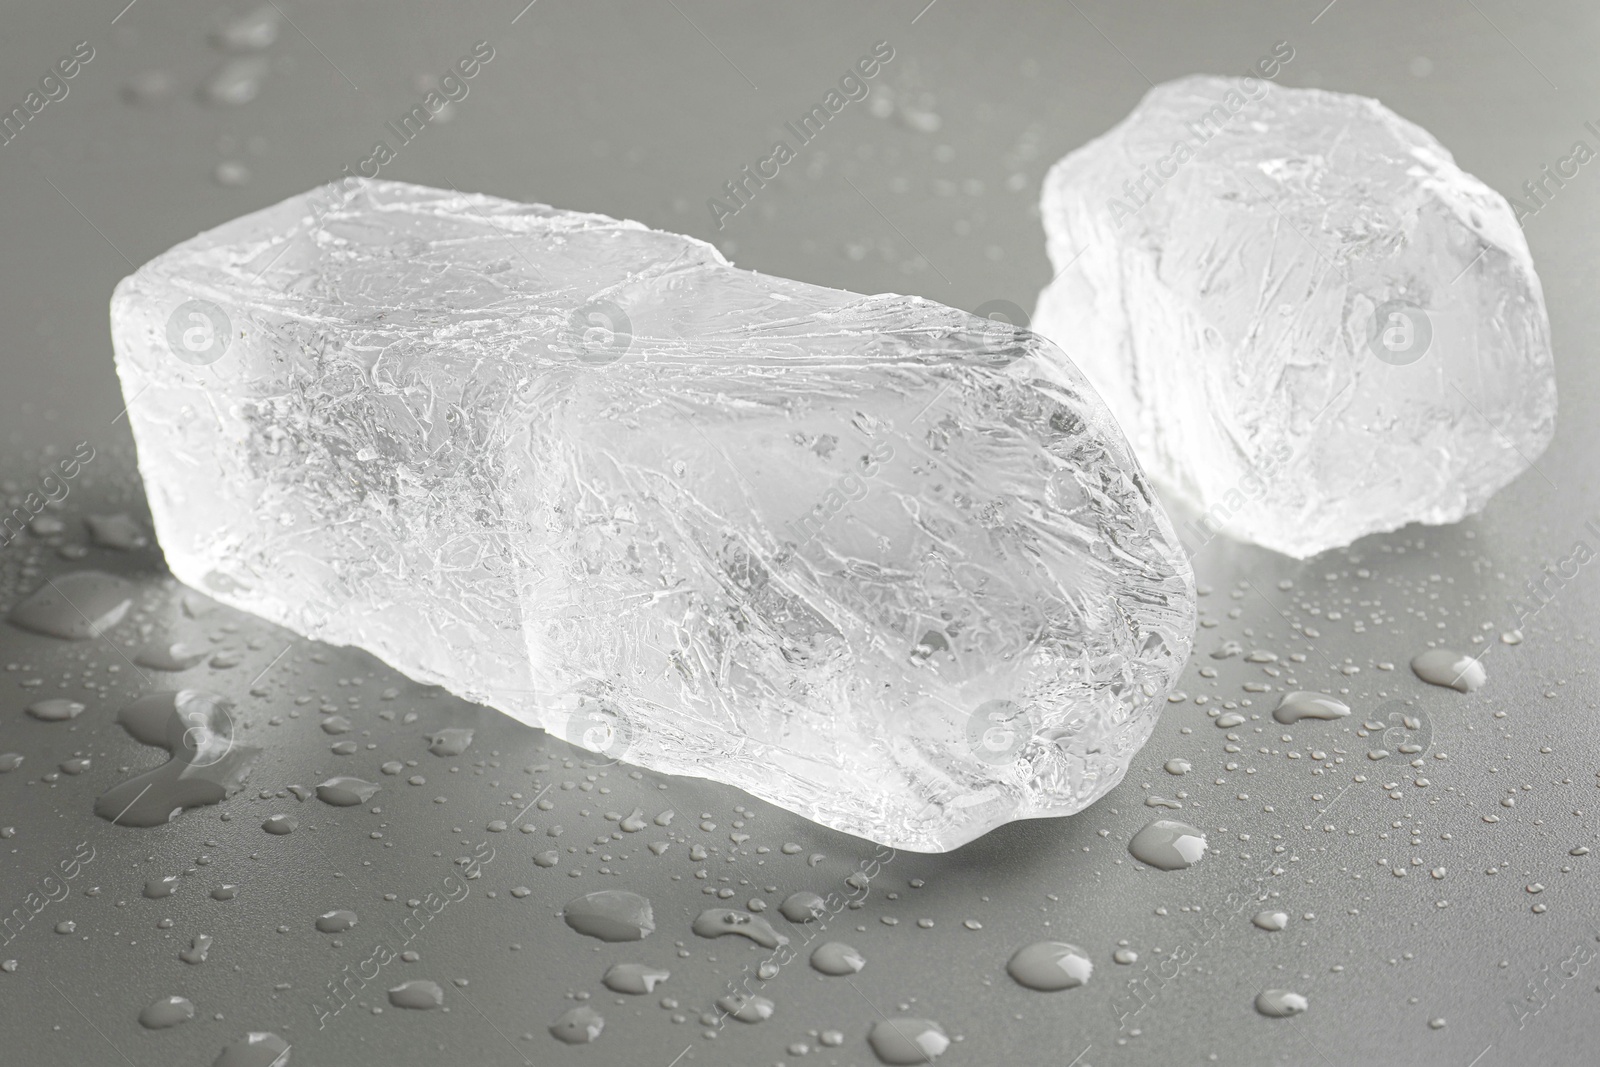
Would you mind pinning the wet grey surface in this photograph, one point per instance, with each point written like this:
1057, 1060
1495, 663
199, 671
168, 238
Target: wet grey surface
643, 111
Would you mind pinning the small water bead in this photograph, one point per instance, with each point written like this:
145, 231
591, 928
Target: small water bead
1177, 766
1125, 956
280, 825
343, 791
611, 915
803, 907
1271, 920
56, 709
1305, 705
199, 945
336, 922
157, 888
164, 655
635, 979
1049, 966
119, 531
1280, 1003
747, 1008
237, 82
166, 1013
578, 1026
417, 995
255, 1049
1452, 670
1168, 845
907, 1041
837, 958
719, 922
452, 741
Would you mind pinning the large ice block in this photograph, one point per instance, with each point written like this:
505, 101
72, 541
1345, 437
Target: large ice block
867, 557
1311, 322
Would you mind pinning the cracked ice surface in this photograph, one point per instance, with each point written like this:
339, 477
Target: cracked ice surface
1312, 324
867, 557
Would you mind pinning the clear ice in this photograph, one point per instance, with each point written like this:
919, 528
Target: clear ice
1311, 323
869, 558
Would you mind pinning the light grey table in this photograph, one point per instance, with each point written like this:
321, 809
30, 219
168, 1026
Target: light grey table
1408, 902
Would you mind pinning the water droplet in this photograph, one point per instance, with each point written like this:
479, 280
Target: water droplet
803, 907
717, 922
225, 892
156, 888
1048, 966
255, 1049
199, 945
746, 1007
75, 607
118, 531
237, 81
56, 709
837, 958
207, 766
634, 978
1441, 666
907, 1041
546, 859
578, 1026
1178, 765
611, 915
450, 742
336, 922
419, 994
1302, 705
1280, 1003
10, 761
166, 1012
1271, 920
343, 791
1168, 845
280, 824
164, 655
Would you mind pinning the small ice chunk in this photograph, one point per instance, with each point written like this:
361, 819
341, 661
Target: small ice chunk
1312, 324
870, 558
